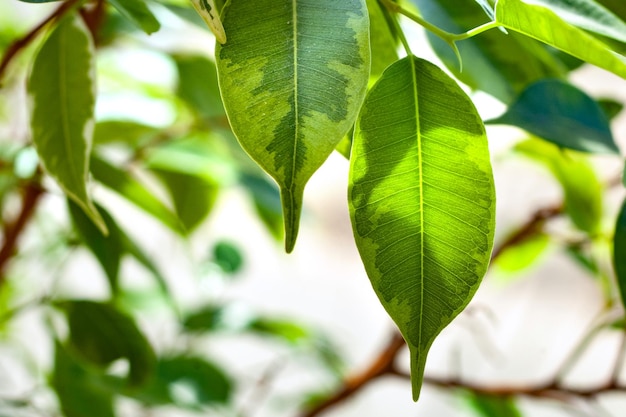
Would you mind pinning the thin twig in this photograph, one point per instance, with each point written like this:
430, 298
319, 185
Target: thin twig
25, 40
32, 192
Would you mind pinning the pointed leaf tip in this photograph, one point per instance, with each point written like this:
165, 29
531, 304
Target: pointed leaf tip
292, 208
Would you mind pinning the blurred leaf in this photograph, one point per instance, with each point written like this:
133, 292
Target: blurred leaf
497, 63
493, 406
201, 382
616, 6
266, 199
543, 24
207, 319
383, 43
138, 12
619, 252
103, 334
193, 196
285, 330
228, 257
522, 255
62, 88
197, 85
128, 187
583, 259
126, 132
581, 187
39, 1
108, 250
78, 389
562, 114
610, 107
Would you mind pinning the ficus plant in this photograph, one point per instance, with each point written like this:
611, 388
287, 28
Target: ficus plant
288, 84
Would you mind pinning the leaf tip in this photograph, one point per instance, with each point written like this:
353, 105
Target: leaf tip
292, 207
418, 361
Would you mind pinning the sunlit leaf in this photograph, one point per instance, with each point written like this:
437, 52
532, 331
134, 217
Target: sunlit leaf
543, 24
421, 200
522, 255
581, 187
382, 41
619, 252
291, 101
78, 389
493, 406
497, 63
138, 12
62, 90
562, 114
103, 334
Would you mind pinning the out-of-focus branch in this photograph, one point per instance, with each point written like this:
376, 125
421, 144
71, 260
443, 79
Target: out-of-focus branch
25, 40
32, 192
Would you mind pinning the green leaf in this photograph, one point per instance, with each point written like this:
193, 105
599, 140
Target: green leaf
108, 249
588, 15
581, 187
422, 200
291, 101
497, 63
103, 334
487, 8
128, 187
129, 133
619, 252
228, 257
38, 1
266, 198
197, 85
522, 255
383, 42
138, 12
543, 24
562, 114
611, 108
62, 90
78, 388
493, 406
616, 6
208, 319
203, 381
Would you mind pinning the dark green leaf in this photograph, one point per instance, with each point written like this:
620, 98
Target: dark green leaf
611, 108
107, 249
543, 24
583, 258
562, 114
619, 252
206, 381
207, 319
79, 390
497, 63
62, 89
493, 406
228, 257
266, 199
197, 84
128, 187
103, 334
616, 6
291, 102
422, 200
138, 12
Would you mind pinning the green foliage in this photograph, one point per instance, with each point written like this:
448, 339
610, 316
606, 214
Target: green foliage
289, 83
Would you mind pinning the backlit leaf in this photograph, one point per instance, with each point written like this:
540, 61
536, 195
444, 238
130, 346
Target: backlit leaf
62, 90
619, 252
292, 83
138, 12
543, 24
562, 114
422, 200
493, 406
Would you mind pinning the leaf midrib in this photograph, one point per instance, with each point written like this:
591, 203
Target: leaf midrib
294, 16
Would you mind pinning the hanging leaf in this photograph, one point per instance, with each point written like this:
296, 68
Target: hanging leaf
137, 12
497, 63
62, 90
103, 334
619, 252
562, 114
422, 200
292, 83
543, 24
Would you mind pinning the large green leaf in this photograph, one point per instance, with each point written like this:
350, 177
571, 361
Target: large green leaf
619, 252
103, 334
138, 12
62, 89
495, 62
581, 187
562, 114
293, 75
422, 200
543, 24
588, 15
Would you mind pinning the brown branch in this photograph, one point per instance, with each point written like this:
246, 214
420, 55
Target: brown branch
25, 40
32, 192
382, 365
